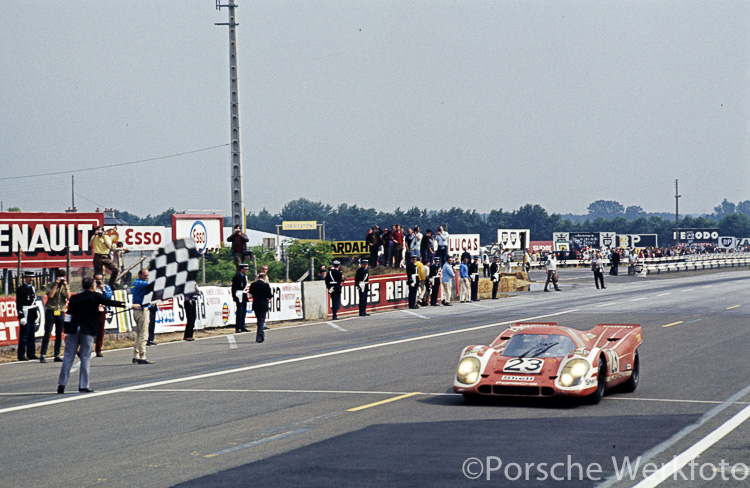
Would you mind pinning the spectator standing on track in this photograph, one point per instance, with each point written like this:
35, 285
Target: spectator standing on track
434, 280
632, 262
597, 266
80, 331
441, 239
526, 261
54, 311
141, 317
551, 272
422, 272
362, 282
485, 264
239, 295
495, 275
474, 275
239, 245
102, 245
615, 262
372, 239
191, 314
103, 289
334, 280
261, 292
446, 279
412, 280
27, 317
463, 274
506, 259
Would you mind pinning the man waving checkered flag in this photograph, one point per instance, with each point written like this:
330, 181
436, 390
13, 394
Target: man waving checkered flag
173, 271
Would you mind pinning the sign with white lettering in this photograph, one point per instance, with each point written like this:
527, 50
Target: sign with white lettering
42, 237
205, 229
458, 243
141, 238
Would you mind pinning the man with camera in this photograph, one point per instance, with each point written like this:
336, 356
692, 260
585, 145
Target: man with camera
239, 246
103, 289
54, 311
102, 245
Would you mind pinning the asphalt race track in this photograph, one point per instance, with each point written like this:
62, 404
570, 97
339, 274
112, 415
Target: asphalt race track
368, 402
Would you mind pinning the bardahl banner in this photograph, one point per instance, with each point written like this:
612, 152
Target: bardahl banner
458, 243
42, 237
386, 292
349, 248
514, 238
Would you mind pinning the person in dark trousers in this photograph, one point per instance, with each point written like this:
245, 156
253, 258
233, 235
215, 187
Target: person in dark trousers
615, 262
597, 266
80, 331
372, 239
362, 282
474, 275
54, 310
27, 317
191, 313
412, 280
495, 275
434, 279
103, 289
152, 325
334, 280
551, 272
239, 283
261, 293
239, 245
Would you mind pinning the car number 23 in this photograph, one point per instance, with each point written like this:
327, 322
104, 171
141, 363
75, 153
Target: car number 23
524, 365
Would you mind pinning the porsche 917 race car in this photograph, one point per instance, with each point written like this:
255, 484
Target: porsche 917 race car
547, 360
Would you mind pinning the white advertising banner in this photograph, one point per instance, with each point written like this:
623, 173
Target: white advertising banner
205, 230
286, 303
458, 243
514, 238
141, 238
727, 242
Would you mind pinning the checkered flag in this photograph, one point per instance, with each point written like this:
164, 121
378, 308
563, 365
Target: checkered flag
173, 271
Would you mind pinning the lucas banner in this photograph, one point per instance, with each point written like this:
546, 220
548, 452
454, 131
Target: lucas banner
458, 243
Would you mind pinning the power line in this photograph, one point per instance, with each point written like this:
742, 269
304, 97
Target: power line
113, 165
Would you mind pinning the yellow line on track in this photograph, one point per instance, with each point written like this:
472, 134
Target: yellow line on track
381, 402
673, 323
733, 306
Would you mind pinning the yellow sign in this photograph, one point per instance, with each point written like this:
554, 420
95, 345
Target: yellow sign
299, 225
349, 248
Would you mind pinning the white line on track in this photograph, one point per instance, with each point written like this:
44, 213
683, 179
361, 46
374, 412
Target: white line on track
336, 326
697, 448
608, 304
416, 314
487, 306
232, 342
664, 294
271, 364
638, 299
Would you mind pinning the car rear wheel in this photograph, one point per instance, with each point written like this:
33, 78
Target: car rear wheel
601, 380
632, 383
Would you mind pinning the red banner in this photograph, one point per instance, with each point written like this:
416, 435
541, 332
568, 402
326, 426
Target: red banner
541, 246
8, 321
386, 292
41, 238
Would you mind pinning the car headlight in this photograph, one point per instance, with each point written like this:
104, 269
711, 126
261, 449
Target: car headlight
468, 371
573, 372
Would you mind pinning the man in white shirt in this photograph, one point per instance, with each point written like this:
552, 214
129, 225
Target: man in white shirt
441, 239
551, 272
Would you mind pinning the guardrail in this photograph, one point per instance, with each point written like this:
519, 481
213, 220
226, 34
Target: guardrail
697, 262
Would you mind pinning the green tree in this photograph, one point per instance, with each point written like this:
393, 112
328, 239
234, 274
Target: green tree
634, 212
220, 267
605, 209
299, 254
744, 207
723, 209
14, 209
737, 225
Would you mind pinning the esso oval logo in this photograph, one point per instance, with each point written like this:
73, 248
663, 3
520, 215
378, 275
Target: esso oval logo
199, 234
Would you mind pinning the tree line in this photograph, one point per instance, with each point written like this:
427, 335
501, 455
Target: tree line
350, 222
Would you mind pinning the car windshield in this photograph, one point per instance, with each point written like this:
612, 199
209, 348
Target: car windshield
539, 346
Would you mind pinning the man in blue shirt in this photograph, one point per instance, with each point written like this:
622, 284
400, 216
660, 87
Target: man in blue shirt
101, 288
463, 273
141, 315
446, 280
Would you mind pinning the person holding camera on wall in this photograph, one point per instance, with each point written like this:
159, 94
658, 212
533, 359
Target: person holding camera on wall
54, 314
102, 245
239, 246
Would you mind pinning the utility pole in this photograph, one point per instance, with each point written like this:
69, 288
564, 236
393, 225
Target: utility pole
234, 105
72, 192
677, 212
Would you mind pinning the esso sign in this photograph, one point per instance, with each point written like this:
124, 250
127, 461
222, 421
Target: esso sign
199, 235
141, 238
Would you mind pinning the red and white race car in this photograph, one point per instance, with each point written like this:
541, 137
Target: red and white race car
547, 360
